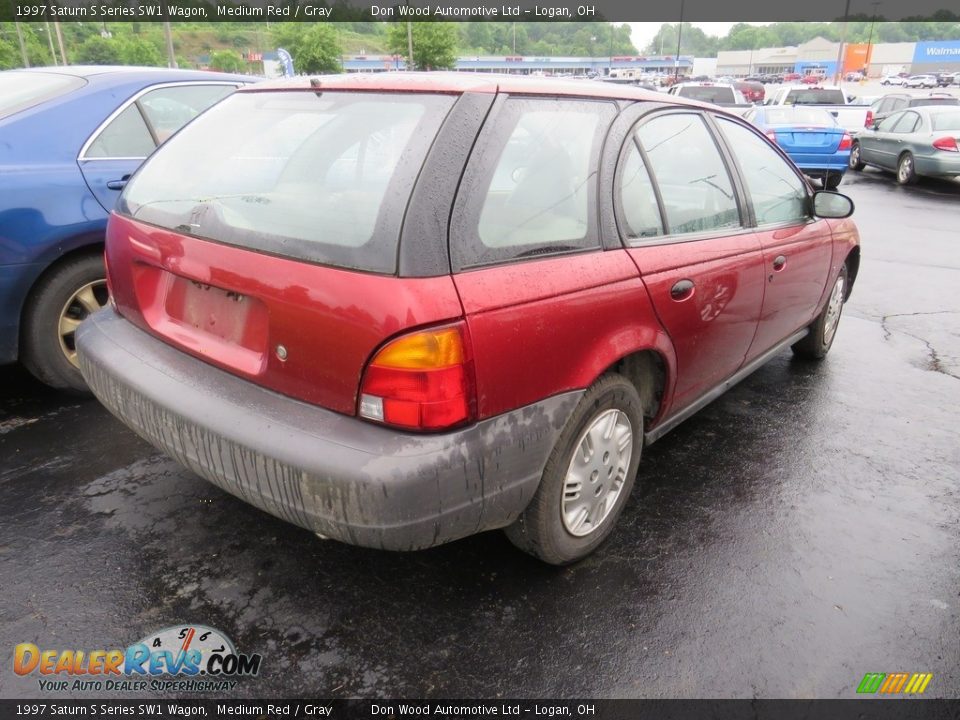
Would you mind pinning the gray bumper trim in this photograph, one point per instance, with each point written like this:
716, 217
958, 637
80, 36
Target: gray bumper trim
330, 473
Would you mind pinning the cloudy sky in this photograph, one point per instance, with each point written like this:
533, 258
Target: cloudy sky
643, 32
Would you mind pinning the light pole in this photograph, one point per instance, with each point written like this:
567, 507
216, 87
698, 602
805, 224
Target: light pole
838, 71
23, 47
873, 21
676, 60
409, 46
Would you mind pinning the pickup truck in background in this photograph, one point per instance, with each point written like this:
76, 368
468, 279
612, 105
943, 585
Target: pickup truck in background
851, 118
723, 94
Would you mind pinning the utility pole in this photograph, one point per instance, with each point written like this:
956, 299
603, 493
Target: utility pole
171, 58
873, 21
409, 46
53, 53
63, 52
23, 47
610, 64
838, 72
676, 60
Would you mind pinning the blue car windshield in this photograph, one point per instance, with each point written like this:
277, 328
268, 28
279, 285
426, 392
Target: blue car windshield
22, 90
799, 116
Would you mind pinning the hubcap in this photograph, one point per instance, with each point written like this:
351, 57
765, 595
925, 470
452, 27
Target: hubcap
597, 472
88, 299
906, 166
833, 312
855, 156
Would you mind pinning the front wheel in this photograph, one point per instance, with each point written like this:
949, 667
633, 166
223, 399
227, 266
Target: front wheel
906, 170
588, 476
823, 329
855, 162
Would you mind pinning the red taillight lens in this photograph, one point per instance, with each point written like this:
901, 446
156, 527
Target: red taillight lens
771, 135
868, 121
420, 381
846, 142
946, 143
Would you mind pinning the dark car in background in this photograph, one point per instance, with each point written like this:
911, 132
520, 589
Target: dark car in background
70, 137
920, 141
397, 310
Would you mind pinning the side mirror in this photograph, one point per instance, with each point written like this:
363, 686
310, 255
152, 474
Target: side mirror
834, 205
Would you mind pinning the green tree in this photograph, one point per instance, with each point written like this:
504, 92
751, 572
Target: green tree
9, 55
434, 44
227, 61
314, 50
96, 50
140, 51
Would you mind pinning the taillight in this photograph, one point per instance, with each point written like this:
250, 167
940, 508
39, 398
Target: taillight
946, 143
868, 121
420, 381
772, 135
846, 142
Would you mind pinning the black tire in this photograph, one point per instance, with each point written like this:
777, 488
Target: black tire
831, 181
541, 529
855, 162
40, 340
818, 340
906, 170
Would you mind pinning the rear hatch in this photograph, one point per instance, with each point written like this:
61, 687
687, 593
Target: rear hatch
263, 238
811, 140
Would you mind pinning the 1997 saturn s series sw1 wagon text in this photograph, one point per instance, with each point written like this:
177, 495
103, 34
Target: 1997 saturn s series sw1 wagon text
401, 309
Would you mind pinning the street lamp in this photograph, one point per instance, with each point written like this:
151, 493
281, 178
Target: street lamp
838, 70
676, 60
873, 21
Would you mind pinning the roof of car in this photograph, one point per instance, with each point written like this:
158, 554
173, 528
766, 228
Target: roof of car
129, 71
457, 83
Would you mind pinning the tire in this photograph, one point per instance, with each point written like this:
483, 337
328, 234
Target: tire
823, 329
63, 297
906, 170
831, 181
855, 162
553, 527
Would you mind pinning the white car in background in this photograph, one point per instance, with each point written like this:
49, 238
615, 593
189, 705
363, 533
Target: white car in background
892, 80
920, 81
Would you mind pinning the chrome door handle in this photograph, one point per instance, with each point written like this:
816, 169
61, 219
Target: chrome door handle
682, 289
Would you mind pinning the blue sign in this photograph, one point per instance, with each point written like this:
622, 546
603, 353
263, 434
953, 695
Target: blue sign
286, 61
937, 51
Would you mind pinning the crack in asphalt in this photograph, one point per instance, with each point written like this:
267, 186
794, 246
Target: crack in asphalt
935, 363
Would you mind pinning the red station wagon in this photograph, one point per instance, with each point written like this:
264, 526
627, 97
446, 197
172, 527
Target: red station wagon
397, 310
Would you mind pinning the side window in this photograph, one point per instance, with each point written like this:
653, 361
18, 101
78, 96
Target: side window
777, 193
907, 123
169, 109
692, 178
898, 104
636, 197
889, 122
127, 136
532, 182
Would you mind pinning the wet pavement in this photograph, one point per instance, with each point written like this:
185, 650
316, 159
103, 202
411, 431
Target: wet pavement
799, 532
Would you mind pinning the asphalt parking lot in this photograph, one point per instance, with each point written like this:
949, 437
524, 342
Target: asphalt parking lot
799, 532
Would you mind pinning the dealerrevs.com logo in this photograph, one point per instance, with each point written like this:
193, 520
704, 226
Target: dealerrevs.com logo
191, 658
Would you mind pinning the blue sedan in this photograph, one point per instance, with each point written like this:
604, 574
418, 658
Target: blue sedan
811, 137
70, 137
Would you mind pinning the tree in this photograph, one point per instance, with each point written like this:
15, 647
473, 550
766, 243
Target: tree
314, 51
227, 61
140, 51
96, 50
9, 55
434, 44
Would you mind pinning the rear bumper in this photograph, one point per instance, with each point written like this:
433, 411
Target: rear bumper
811, 162
946, 165
335, 475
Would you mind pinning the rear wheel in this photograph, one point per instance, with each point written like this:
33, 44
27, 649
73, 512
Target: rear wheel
823, 330
831, 181
63, 298
855, 162
906, 170
588, 476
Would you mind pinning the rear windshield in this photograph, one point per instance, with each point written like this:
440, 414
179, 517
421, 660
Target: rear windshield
22, 90
319, 176
945, 121
815, 97
918, 102
708, 94
799, 116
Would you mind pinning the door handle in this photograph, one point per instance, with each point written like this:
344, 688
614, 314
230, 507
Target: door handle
118, 184
681, 290
779, 262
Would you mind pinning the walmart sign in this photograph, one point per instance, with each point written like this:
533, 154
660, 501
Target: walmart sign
932, 51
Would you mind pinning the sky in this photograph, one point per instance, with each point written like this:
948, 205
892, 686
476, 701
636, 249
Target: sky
644, 32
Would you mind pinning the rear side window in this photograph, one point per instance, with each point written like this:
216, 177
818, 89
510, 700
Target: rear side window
637, 198
530, 186
945, 121
908, 123
692, 178
127, 136
22, 90
323, 177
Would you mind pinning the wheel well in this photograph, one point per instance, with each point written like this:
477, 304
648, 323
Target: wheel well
853, 267
95, 248
645, 369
